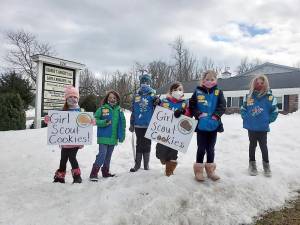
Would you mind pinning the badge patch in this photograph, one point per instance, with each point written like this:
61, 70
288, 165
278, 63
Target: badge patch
217, 92
270, 98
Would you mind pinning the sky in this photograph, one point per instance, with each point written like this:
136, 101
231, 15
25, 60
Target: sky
112, 35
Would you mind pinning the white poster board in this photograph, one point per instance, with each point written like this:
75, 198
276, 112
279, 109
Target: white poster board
173, 132
70, 128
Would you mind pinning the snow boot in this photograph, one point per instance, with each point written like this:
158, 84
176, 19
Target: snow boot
76, 176
252, 168
59, 176
210, 171
267, 170
138, 159
94, 173
146, 157
163, 162
170, 167
106, 173
198, 171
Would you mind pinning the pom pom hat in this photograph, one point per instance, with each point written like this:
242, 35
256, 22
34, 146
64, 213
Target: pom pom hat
71, 91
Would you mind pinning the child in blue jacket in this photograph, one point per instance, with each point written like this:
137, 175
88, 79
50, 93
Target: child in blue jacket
207, 104
143, 104
259, 109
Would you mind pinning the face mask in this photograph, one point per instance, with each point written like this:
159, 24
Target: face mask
209, 84
112, 103
72, 101
259, 87
177, 94
145, 85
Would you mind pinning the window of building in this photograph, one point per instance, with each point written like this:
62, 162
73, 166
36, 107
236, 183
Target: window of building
235, 102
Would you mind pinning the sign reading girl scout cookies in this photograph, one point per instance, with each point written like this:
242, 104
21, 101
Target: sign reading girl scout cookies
173, 132
70, 128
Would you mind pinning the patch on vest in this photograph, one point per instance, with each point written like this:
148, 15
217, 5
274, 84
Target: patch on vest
217, 92
271, 98
250, 101
137, 98
165, 105
201, 98
183, 105
105, 112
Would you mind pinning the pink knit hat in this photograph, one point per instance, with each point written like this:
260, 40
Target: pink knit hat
71, 91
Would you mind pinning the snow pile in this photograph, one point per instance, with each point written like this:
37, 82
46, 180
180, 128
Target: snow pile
28, 195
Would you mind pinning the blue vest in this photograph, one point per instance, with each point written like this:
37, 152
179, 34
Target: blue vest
207, 103
143, 108
257, 112
167, 103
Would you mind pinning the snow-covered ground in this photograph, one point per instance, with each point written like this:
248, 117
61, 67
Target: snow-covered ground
29, 197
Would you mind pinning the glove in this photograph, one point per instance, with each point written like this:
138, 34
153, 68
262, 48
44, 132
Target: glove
197, 115
192, 101
214, 117
46, 119
156, 101
179, 112
108, 122
131, 128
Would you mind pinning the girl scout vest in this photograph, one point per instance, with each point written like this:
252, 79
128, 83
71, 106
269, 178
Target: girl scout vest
143, 108
206, 104
166, 103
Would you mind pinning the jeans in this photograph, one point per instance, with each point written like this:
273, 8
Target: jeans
104, 155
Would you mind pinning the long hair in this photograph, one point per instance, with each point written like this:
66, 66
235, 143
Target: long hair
208, 73
105, 100
253, 82
65, 107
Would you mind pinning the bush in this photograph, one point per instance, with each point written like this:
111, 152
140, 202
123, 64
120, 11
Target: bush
12, 113
13, 82
90, 103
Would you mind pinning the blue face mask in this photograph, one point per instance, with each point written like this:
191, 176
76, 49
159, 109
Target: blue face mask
145, 85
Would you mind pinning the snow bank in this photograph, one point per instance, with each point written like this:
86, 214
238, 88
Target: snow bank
28, 195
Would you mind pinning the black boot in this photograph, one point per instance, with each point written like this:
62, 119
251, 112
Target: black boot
146, 157
138, 159
76, 176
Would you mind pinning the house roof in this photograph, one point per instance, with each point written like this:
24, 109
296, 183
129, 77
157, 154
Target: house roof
269, 64
276, 80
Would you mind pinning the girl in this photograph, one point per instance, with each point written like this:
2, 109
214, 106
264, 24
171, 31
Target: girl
259, 109
207, 104
111, 129
69, 152
174, 101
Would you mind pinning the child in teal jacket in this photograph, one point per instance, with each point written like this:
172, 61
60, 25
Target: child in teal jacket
111, 125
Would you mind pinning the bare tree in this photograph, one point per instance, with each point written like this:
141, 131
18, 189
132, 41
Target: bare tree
247, 65
87, 83
23, 45
161, 73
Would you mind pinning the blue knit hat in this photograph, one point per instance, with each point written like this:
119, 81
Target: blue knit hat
145, 79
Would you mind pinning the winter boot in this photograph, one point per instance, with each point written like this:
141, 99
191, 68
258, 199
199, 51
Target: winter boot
210, 171
138, 159
163, 162
170, 167
94, 173
59, 176
76, 176
198, 171
267, 170
146, 157
252, 168
106, 173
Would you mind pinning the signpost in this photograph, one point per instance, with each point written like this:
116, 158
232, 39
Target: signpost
173, 132
53, 75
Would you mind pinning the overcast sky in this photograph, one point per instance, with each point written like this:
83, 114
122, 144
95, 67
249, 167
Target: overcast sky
107, 35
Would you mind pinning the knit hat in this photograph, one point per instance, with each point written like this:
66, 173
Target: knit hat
145, 78
71, 91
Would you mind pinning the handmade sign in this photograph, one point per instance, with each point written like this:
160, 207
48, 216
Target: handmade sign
173, 132
70, 128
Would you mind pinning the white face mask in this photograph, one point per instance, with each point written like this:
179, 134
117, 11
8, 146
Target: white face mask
177, 94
